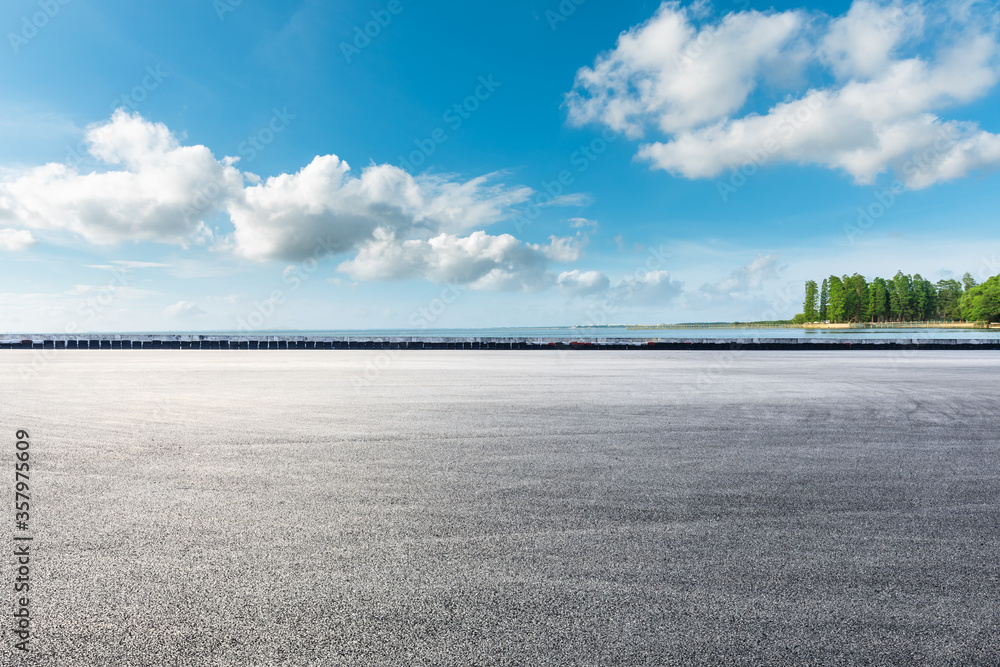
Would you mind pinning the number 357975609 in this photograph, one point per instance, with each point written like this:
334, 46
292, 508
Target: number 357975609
21, 470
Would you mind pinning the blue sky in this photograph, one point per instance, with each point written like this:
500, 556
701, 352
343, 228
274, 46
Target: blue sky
199, 165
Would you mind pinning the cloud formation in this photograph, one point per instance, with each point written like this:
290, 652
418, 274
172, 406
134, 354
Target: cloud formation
479, 260
286, 215
150, 192
753, 288
583, 283
14, 240
653, 288
890, 69
747, 278
397, 225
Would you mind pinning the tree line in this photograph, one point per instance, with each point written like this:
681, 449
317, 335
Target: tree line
902, 298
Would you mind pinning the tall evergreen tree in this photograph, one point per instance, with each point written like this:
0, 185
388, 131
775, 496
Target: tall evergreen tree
850, 297
923, 298
968, 281
857, 302
824, 300
879, 299
902, 303
810, 307
949, 292
836, 309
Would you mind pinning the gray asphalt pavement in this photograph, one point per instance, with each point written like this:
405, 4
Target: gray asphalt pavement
505, 508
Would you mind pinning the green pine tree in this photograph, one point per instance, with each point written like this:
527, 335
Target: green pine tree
824, 300
810, 309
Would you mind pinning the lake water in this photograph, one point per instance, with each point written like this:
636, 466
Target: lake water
597, 333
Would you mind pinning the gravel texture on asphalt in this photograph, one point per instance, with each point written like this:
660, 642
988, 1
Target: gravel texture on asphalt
508, 508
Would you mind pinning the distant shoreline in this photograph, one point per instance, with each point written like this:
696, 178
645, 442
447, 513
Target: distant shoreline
814, 325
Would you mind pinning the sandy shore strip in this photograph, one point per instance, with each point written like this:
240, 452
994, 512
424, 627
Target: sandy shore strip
476, 507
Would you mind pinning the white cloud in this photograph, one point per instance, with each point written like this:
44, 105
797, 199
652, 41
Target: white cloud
481, 261
583, 223
668, 73
879, 113
747, 278
653, 288
582, 283
131, 264
14, 240
324, 209
128, 265
753, 291
158, 190
183, 310
860, 43
563, 249
572, 199
152, 195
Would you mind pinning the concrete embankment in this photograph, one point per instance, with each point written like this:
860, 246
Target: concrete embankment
361, 342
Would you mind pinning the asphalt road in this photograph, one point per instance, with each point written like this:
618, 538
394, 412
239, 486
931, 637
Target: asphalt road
544, 508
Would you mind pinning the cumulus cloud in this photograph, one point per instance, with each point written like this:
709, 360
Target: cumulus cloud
324, 205
891, 69
563, 249
861, 43
149, 194
16, 239
582, 283
481, 261
653, 288
753, 289
668, 73
153, 188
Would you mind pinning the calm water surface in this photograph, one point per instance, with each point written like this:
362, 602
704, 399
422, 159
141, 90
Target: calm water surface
597, 333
